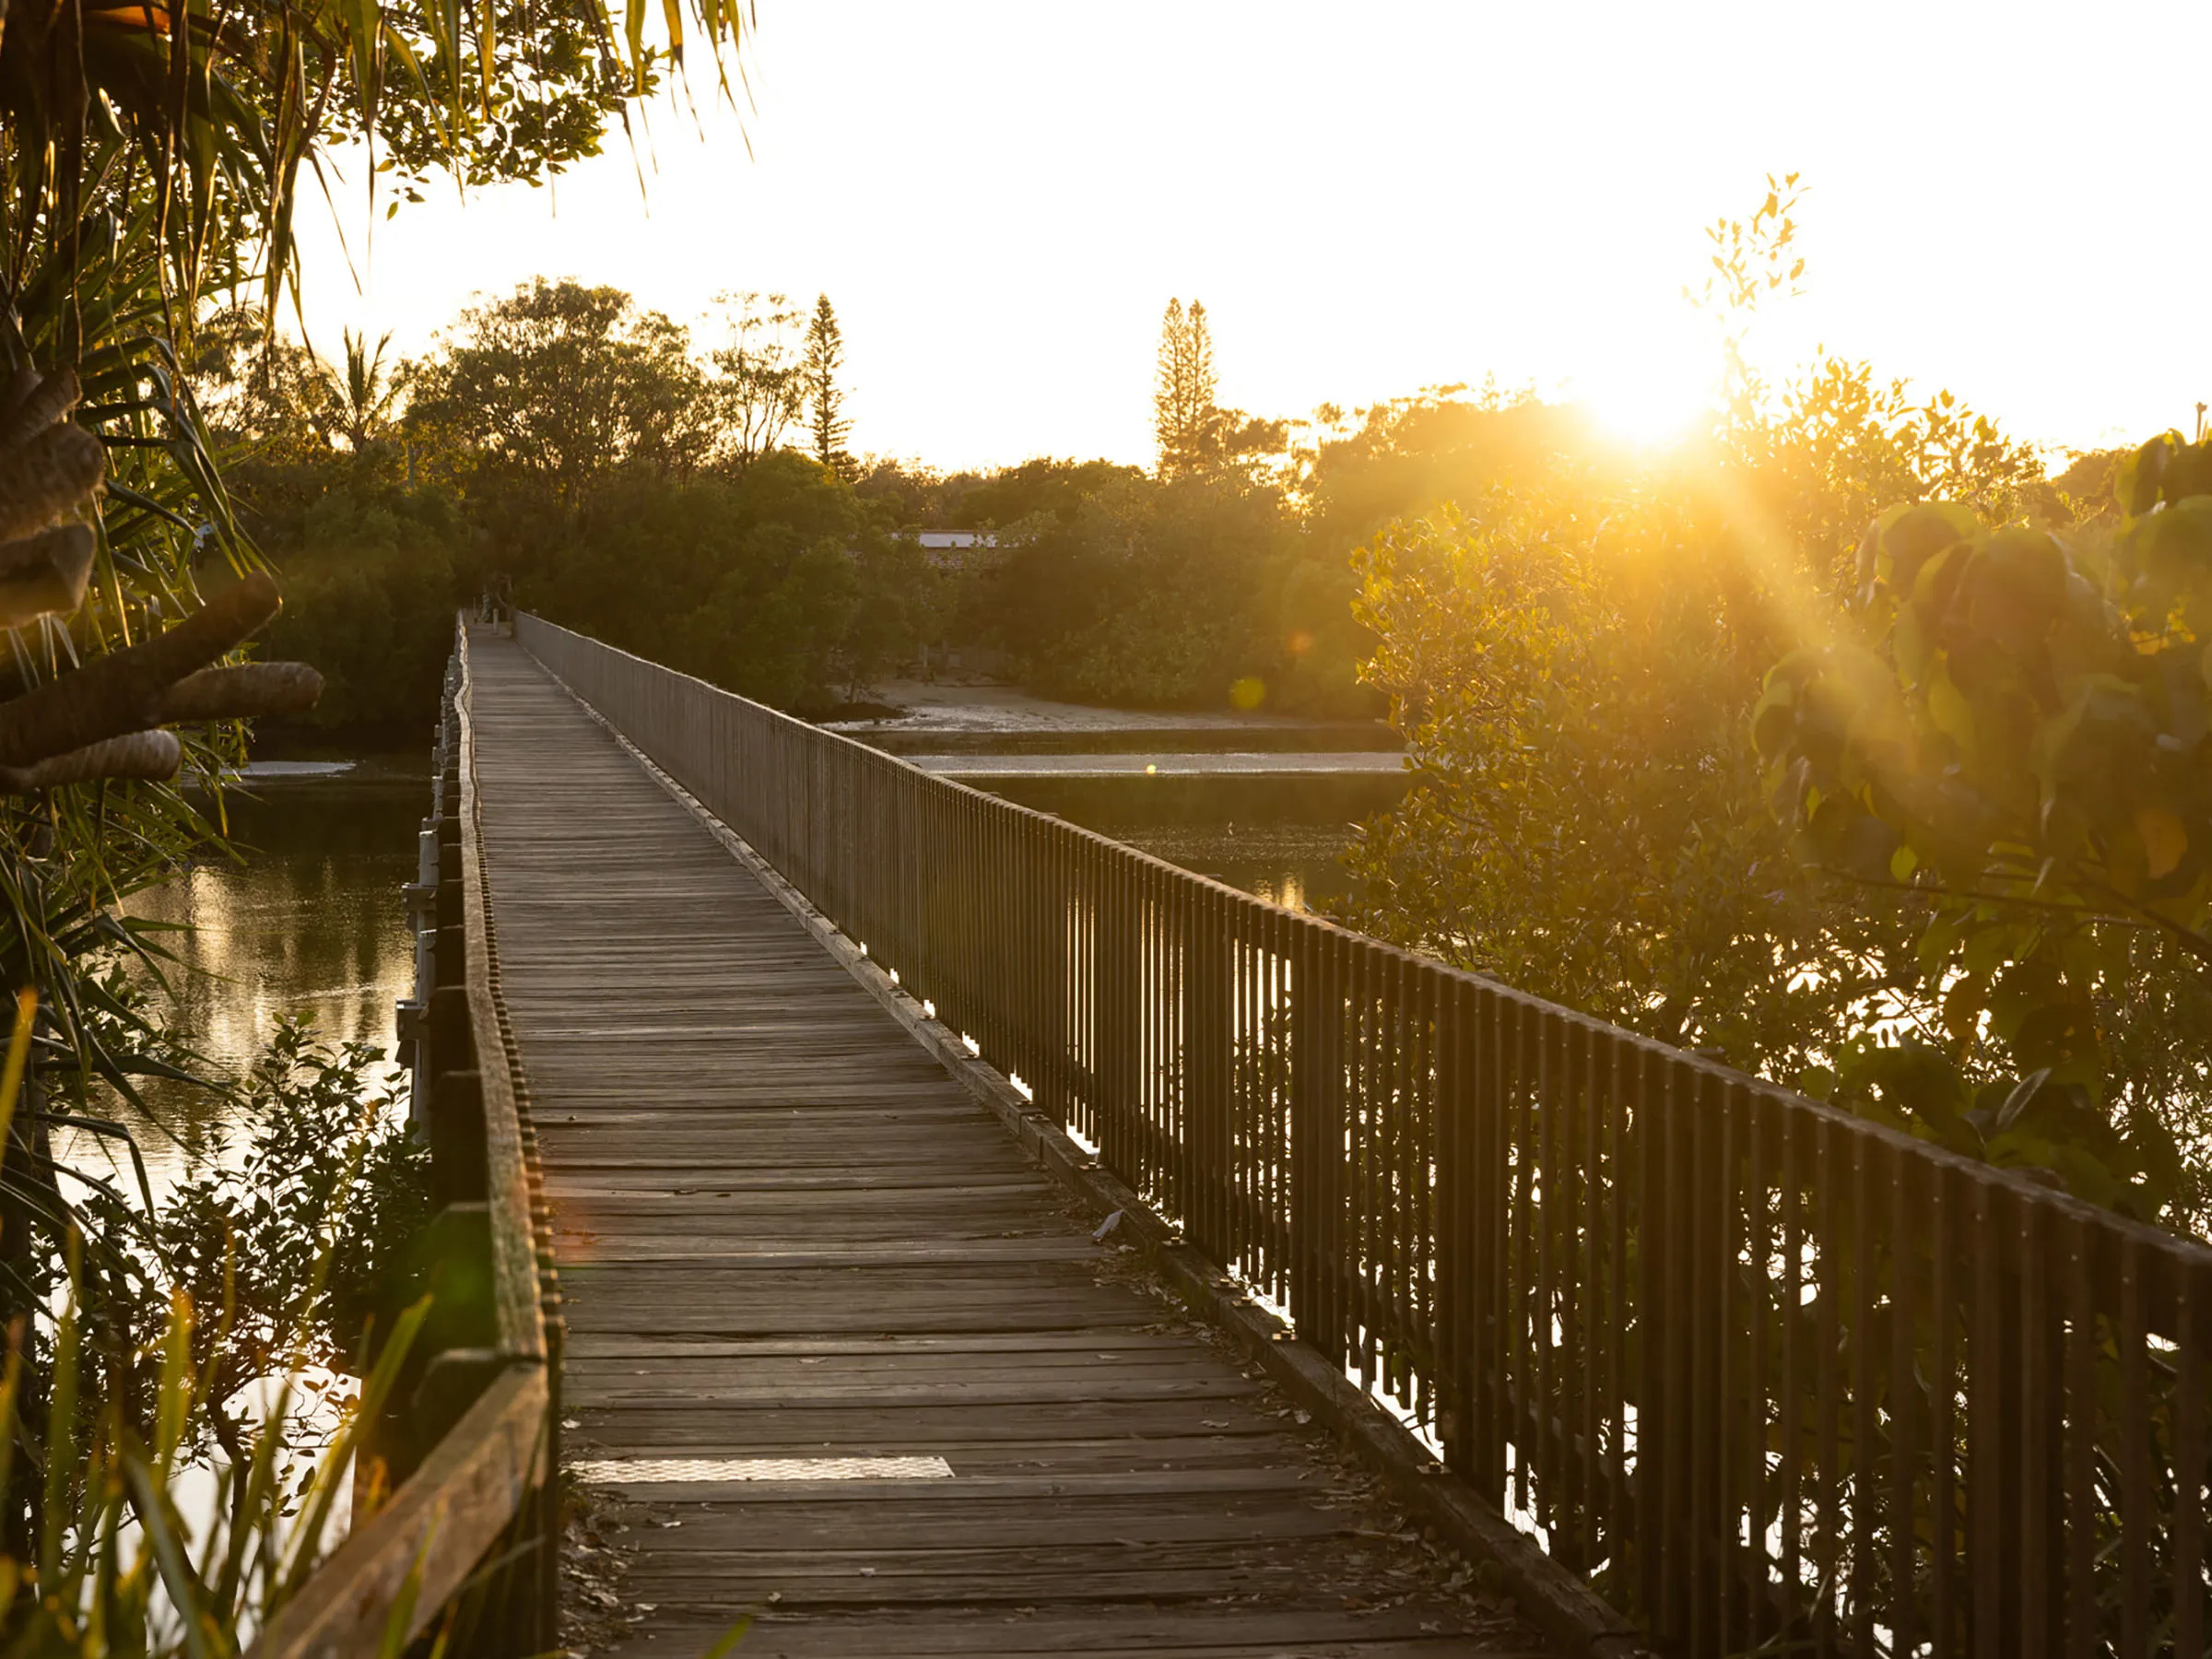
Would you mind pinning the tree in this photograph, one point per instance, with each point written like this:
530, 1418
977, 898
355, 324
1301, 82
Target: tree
1194, 433
896, 609
364, 396
749, 581
373, 574
758, 389
559, 387
258, 393
1185, 417
1147, 594
817, 373
1043, 485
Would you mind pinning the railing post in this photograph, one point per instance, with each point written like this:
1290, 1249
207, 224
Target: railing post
1116, 1107
1457, 1201
1317, 1144
1208, 1063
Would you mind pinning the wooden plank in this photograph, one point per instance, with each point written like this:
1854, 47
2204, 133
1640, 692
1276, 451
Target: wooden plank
1001, 1387
1132, 1631
698, 1429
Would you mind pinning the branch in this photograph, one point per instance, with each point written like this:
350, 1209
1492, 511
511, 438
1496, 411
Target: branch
237, 693
149, 755
123, 691
2190, 940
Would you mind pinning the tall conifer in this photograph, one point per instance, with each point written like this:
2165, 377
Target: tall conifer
825, 356
1183, 410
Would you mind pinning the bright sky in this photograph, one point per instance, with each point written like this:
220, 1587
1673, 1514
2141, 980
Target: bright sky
1000, 196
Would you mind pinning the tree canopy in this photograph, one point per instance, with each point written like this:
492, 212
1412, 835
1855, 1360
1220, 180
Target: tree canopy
556, 388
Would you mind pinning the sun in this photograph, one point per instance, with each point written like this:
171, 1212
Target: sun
1653, 400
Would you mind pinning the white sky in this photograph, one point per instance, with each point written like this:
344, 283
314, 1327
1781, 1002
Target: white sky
1000, 198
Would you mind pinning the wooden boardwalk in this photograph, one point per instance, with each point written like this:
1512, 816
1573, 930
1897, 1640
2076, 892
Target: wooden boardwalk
794, 1253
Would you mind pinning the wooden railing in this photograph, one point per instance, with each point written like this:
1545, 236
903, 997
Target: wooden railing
1771, 1376
457, 1521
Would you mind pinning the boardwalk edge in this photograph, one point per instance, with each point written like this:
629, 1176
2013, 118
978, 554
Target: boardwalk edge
1576, 1622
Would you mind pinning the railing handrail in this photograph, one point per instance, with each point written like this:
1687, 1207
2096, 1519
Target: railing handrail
2146, 1234
507, 1183
1787, 1373
471, 1487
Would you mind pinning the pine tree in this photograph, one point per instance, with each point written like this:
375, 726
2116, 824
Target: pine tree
1185, 415
817, 373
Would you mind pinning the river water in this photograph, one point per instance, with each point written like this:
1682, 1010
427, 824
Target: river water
308, 921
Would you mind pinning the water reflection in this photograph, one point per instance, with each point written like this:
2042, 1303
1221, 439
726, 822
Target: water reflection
309, 922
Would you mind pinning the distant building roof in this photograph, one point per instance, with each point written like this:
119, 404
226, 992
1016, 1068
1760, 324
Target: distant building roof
955, 539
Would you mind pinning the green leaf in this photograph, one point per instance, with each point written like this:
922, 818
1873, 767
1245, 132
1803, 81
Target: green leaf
1952, 714
2165, 840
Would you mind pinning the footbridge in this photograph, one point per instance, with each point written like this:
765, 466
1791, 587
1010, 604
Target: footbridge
920, 1226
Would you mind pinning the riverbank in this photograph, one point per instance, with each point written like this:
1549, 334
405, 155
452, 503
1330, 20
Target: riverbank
986, 717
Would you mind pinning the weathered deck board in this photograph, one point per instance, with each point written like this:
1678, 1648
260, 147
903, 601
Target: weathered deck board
786, 1232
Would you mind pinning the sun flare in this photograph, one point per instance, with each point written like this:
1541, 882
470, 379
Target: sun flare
1648, 406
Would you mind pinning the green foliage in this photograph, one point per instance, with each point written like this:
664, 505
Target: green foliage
652, 507
364, 518
1987, 740
1842, 446
1402, 458
152, 160
123, 1387
775, 584
1567, 662
1058, 488
197, 134
913, 496
125, 1556
164, 525
1105, 583
373, 577
1183, 392
757, 390
1194, 436
2015, 728
1232, 565
1151, 594
298, 1224
1573, 663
